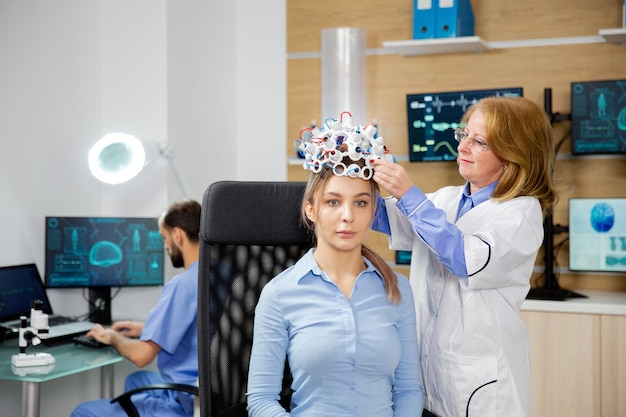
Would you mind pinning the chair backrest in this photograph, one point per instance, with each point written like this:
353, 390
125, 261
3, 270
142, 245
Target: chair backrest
249, 233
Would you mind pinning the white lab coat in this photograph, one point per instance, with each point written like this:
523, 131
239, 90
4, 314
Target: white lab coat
470, 330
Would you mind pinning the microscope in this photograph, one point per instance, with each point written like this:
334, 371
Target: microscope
32, 335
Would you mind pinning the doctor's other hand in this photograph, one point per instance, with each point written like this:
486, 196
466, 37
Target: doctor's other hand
392, 177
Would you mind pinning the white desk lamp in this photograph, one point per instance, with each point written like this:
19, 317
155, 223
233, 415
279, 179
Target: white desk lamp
118, 157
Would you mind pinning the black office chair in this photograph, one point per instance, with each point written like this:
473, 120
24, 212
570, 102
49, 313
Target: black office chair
125, 399
249, 233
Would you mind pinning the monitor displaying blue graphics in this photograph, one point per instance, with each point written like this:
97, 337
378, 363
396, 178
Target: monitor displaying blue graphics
403, 257
597, 234
598, 117
432, 118
103, 252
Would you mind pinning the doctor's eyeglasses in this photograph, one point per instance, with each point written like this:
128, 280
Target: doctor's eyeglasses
475, 144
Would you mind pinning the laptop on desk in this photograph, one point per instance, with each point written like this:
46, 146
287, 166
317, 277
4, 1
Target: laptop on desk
20, 285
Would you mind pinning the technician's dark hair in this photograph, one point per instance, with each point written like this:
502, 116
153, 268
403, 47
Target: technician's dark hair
185, 215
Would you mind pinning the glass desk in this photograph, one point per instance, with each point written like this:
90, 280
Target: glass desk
69, 359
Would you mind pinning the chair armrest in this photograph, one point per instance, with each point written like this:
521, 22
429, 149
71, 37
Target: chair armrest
126, 403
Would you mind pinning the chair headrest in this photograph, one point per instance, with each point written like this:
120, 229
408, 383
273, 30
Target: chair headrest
253, 213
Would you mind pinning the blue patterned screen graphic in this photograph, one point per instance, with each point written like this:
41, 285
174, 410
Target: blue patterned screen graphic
598, 117
432, 118
103, 252
597, 234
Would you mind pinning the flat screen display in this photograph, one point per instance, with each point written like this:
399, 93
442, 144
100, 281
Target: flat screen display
597, 234
598, 117
432, 118
103, 252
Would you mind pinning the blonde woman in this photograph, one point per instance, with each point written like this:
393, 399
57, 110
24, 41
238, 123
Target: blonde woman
473, 251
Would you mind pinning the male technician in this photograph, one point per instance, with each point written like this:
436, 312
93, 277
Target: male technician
169, 334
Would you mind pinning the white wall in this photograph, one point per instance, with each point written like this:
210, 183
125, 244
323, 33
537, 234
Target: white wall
206, 77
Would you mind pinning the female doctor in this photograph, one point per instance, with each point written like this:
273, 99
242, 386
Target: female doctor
473, 251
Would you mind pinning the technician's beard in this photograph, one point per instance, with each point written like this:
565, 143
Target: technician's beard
176, 257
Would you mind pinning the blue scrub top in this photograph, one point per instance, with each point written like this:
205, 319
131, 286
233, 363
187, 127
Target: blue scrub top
171, 324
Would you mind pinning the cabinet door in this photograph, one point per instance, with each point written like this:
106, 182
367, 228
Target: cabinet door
565, 363
613, 345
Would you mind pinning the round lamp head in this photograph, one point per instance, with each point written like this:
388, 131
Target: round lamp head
116, 158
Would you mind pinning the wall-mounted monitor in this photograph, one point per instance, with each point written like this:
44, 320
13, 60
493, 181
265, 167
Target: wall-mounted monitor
597, 234
598, 117
432, 117
103, 252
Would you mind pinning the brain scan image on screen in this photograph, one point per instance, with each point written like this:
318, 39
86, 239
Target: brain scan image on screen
602, 217
597, 234
103, 252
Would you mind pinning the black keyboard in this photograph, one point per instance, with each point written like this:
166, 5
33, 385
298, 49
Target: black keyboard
58, 320
88, 341
554, 294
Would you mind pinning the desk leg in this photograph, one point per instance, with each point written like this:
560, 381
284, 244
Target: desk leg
106, 381
30, 399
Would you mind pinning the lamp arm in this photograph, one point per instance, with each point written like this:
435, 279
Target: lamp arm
170, 155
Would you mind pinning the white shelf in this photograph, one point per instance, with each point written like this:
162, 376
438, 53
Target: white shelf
617, 35
531, 43
599, 302
437, 46
461, 44
415, 47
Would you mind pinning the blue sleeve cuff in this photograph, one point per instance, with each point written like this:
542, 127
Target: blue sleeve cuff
411, 201
380, 223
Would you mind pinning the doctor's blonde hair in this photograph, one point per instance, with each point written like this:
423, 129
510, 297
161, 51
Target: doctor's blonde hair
520, 134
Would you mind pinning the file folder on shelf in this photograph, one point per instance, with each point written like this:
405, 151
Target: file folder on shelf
423, 19
454, 18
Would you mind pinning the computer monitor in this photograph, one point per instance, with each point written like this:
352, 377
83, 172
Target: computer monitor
102, 252
597, 234
598, 117
432, 117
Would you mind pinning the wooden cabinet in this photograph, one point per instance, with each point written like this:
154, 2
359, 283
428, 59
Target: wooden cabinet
565, 363
578, 361
613, 366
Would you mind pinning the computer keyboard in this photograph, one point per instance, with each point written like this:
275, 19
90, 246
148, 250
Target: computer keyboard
58, 320
88, 341
554, 294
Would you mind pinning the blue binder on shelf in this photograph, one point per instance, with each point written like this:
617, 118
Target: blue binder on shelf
454, 18
423, 19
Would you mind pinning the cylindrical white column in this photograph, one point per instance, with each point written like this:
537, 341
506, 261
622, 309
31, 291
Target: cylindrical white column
343, 73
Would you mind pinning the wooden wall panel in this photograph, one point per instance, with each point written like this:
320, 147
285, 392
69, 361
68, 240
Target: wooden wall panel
391, 77
382, 20
505, 19
495, 20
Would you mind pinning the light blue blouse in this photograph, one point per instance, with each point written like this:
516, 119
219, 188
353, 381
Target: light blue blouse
356, 357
